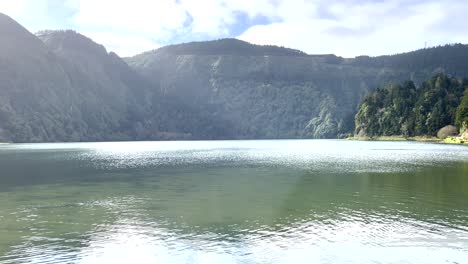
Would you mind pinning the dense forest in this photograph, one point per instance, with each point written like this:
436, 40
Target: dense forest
461, 119
62, 86
407, 110
258, 92
228, 46
451, 58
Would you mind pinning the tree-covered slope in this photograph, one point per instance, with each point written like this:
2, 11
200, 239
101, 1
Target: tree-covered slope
255, 96
261, 92
33, 85
227, 47
404, 109
108, 94
64, 88
461, 118
450, 58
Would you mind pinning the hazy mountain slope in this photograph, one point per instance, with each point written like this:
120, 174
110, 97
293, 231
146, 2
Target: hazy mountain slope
452, 59
272, 92
105, 90
66, 88
261, 95
229, 46
33, 85
62, 86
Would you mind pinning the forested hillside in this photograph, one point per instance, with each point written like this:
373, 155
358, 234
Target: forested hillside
62, 86
451, 58
265, 96
227, 47
260, 92
461, 118
404, 109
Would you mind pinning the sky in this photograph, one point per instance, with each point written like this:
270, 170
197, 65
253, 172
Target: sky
347, 28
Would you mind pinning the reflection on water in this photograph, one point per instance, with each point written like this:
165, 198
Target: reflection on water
291, 201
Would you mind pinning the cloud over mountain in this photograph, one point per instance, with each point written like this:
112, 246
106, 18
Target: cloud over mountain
348, 28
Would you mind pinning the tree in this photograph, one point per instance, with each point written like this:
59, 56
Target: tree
407, 110
462, 113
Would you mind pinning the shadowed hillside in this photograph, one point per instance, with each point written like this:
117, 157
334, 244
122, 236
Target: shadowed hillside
66, 88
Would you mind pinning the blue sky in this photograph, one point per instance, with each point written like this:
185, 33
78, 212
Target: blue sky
347, 28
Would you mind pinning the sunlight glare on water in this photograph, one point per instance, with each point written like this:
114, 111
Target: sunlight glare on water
282, 201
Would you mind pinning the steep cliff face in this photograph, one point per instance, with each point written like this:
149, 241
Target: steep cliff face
272, 92
265, 94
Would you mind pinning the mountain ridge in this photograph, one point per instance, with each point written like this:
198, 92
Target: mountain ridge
53, 91
63, 86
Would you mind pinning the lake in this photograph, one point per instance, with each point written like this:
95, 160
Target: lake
266, 201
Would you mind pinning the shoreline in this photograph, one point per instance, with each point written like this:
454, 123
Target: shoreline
427, 139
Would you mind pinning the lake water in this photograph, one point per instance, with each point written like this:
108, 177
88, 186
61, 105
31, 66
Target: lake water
281, 201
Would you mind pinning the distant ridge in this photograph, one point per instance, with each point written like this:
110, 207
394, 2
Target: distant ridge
227, 46
450, 58
70, 40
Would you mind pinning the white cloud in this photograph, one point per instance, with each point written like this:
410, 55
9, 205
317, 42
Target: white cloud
347, 28
123, 45
149, 22
13, 8
164, 18
137, 16
371, 28
35, 15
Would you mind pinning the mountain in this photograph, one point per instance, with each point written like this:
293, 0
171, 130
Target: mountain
62, 86
262, 93
229, 46
272, 92
32, 84
450, 58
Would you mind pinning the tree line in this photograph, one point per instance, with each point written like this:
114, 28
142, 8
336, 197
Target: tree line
407, 110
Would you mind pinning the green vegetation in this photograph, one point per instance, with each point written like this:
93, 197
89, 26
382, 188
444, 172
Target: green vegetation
409, 111
461, 119
234, 93
448, 140
62, 86
455, 140
396, 138
451, 58
227, 47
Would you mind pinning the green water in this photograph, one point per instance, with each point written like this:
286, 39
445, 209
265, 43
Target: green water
283, 201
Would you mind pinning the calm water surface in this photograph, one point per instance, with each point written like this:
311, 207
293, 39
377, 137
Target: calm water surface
283, 201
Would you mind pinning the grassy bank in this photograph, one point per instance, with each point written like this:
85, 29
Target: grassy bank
455, 140
449, 140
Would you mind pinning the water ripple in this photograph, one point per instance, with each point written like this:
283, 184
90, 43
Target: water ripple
234, 202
